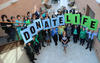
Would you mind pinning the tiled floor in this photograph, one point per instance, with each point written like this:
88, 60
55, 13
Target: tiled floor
75, 54
52, 54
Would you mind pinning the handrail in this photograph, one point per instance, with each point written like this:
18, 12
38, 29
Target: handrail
13, 22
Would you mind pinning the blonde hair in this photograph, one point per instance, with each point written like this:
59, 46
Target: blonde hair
64, 32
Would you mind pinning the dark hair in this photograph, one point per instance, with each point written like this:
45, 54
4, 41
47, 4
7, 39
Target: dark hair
18, 16
25, 17
28, 12
12, 17
3, 16
33, 15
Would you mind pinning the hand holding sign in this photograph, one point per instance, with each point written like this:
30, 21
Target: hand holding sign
38, 25
68, 18
32, 29
85, 21
46, 24
61, 20
76, 18
26, 35
93, 24
54, 22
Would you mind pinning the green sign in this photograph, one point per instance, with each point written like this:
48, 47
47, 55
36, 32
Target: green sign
85, 21
99, 34
68, 18
76, 19
93, 24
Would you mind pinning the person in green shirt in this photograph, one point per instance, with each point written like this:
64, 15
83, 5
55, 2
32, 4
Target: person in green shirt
81, 28
36, 44
82, 36
40, 38
30, 52
28, 22
75, 34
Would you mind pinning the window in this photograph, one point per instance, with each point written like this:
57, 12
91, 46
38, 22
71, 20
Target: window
90, 12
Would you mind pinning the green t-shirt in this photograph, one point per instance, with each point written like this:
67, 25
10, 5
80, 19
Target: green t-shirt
40, 35
36, 40
81, 29
28, 22
82, 34
75, 31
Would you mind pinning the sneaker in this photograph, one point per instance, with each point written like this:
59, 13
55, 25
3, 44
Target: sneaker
35, 59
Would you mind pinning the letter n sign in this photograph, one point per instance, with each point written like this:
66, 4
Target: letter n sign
26, 35
38, 24
93, 24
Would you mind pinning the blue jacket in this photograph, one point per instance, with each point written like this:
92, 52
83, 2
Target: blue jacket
54, 31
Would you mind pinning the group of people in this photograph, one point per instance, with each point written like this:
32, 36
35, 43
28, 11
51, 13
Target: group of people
43, 37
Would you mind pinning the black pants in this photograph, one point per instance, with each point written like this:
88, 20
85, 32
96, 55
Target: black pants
75, 38
55, 38
50, 36
11, 35
43, 43
68, 39
82, 41
36, 48
40, 45
43, 40
78, 36
60, 37
31, 56
90, 44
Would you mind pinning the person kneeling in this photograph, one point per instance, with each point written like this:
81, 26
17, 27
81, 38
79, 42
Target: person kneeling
30, 52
